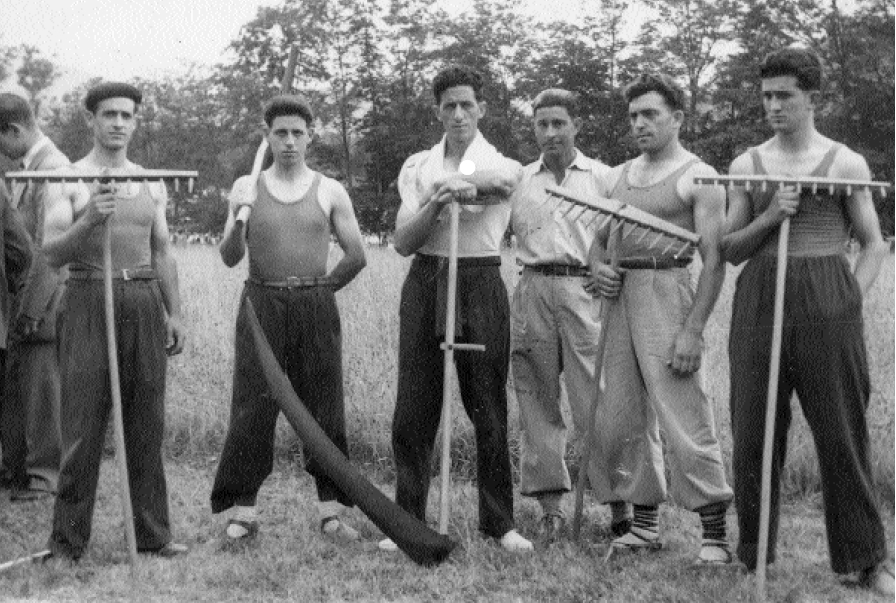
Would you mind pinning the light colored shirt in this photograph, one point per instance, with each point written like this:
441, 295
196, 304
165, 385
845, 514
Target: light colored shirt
481, 227
29, 157
545, 232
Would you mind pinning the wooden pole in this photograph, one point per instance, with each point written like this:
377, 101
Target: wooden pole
115, 389
771, 407
445, 475
591, 440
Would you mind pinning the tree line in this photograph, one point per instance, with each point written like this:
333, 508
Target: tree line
366, 67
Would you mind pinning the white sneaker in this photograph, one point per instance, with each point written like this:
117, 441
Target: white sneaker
388, 545
512, 541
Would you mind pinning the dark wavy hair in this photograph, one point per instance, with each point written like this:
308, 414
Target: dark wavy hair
800, 63
457, 75
662, 84
287, 104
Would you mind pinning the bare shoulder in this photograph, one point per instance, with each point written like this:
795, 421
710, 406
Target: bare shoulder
742, 165
334, 190
850, 165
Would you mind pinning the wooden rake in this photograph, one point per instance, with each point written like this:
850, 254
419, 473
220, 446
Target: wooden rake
97, 177
623, 222
763, 184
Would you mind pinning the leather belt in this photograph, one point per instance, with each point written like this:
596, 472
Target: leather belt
125, 274
468, 262
558, 269
296, 282
646, 263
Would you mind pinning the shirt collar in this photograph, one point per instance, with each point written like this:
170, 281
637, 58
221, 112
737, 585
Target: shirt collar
579, 162
28, 159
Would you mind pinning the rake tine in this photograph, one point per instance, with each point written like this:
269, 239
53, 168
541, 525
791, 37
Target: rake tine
684, 248
619, 224
849, 190
883, 191
604, 221
647, 231
177, 185
635, 227
190, 183
814, 188
655, 241
832, 188
764, 186
668, 247
593, 218
748, 186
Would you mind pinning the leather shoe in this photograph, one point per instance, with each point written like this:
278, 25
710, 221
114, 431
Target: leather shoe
172, 549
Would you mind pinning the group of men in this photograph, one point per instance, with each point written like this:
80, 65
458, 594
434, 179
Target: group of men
547, 337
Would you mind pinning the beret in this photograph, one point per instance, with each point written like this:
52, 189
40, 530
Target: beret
105, 90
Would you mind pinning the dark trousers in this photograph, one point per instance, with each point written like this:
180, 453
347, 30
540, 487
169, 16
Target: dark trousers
13, 426
86, 402
30, 416
823, 360
303, 328
482, 376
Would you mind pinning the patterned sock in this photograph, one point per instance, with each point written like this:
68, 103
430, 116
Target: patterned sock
714, 525
646, 522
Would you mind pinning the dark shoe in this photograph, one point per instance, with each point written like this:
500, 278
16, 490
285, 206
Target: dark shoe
172, 549
550, 527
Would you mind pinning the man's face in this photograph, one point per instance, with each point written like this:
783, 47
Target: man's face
288, 137
555, 132
787, 107
460, 112
113, 123
11, 143
654, 123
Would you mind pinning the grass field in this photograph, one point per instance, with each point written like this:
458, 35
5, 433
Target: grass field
292, 562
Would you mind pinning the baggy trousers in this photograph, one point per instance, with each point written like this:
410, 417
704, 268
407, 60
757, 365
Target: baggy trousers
555, 325
482, 377
644, 395
86, 402
32, 388
823, 360
302, 325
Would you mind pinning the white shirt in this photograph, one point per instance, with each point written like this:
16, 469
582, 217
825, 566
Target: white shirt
482, 228
546, 233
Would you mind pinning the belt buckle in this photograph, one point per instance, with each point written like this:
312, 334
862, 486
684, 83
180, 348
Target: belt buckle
293, 281
124, 274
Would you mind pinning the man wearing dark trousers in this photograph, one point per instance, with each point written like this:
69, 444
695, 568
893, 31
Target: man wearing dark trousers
823, 357
17, 252
148, 327
295, 210
461, 165
30, 432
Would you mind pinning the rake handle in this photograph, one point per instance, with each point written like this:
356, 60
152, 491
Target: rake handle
590, 442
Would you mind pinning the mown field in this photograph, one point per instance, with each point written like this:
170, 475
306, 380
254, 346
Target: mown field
290, 561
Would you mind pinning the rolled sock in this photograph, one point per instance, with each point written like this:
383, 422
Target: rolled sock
245, 514
550, 503
646, 521
714, 525
329, 508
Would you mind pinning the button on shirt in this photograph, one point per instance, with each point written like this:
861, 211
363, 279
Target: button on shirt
544, 234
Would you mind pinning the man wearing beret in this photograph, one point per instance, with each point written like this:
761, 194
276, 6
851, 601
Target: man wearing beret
148, 326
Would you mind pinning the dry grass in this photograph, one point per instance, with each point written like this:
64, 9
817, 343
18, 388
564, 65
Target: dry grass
290, 561
199, 380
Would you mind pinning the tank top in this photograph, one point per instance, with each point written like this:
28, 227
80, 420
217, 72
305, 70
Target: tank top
820, 227
288, 239
660, 199
131, 231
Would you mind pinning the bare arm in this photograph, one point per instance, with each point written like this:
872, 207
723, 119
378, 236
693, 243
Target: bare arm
744, 233
709, 217
348, 234
863, 218
63, 235
166, 267
233, 243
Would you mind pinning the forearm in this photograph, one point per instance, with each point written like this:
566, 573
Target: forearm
413, 233
348, 268
166, 267
233, 245
740, 245
709, 284
41, 284
869, 263
61, 248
